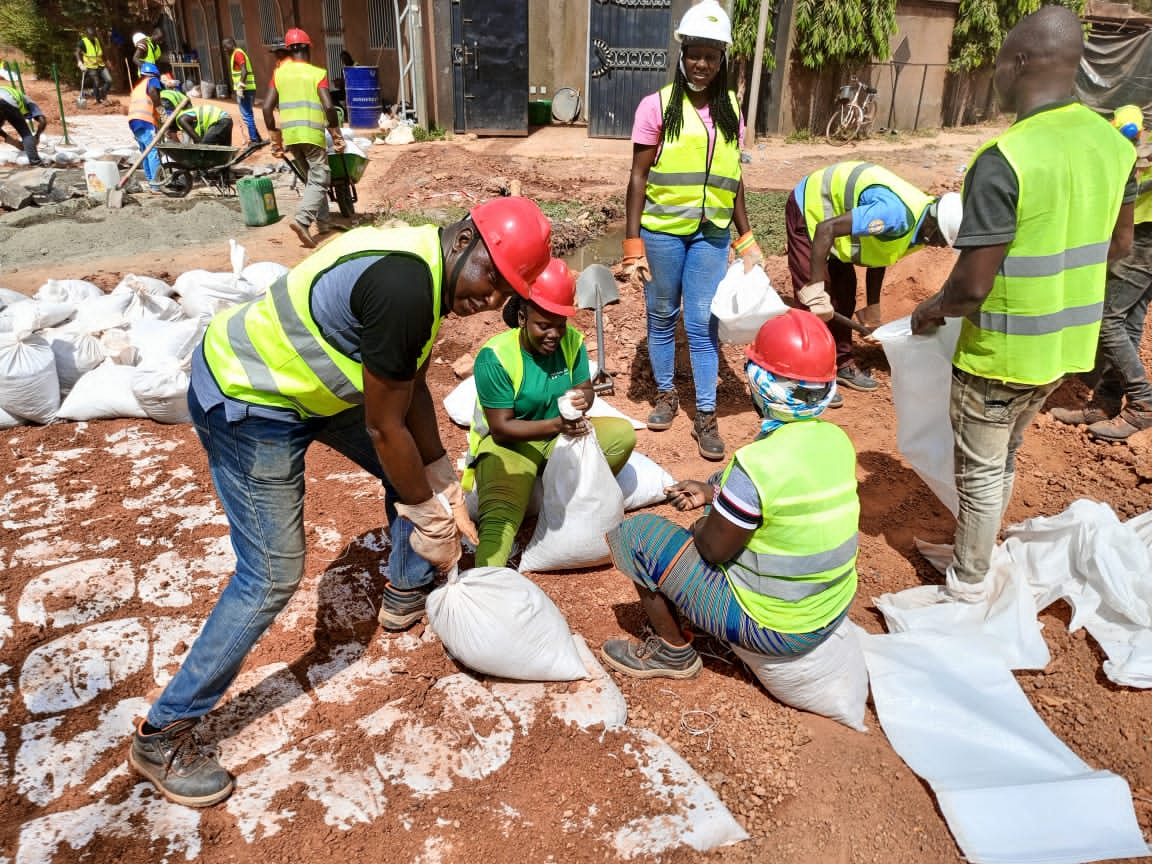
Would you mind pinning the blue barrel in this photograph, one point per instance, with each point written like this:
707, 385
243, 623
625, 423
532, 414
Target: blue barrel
362, 93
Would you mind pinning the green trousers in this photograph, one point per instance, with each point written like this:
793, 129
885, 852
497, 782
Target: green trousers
505, 477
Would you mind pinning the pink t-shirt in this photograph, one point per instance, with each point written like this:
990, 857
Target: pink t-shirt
649, 123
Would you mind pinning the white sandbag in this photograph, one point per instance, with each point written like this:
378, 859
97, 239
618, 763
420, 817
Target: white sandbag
29, 389
35, 315
146, 306
497, 622
7, 421
162, 392
921, 386
601, 408
263, 273
144, 284
8, 298
203, 294
831, 680
400, 135
581, 503
642, 482
103, 394
97, 314
156, 340
118, 347
461, 402
743, 302
68, 291
76, 353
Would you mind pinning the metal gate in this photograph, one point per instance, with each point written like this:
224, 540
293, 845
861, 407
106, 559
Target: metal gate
628, 59
490, 66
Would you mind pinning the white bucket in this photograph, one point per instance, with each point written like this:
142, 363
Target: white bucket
101, 175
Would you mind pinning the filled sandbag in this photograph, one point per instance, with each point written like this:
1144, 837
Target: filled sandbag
642, 482
76, 354
29, 388
497, 622
145, 284
7, 421
203, 294
35, 315
103, 394
118, 347
156, 340
162, 391
72, 291
8, 297
97, 314
263, 273
743, 302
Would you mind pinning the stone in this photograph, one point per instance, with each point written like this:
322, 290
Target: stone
462, 366
14, 196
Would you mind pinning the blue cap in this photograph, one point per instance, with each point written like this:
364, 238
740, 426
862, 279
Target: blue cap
149, 69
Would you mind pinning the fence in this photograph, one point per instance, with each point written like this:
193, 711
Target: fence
909, 95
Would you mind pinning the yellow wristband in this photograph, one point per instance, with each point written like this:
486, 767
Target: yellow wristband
744, 242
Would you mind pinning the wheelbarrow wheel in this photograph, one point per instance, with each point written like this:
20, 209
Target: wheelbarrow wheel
179, 184
344, 200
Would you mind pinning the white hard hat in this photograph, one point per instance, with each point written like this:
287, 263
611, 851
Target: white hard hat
137, 38
705, 20
949, 213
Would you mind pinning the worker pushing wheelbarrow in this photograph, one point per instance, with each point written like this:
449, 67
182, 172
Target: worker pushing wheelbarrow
346, 169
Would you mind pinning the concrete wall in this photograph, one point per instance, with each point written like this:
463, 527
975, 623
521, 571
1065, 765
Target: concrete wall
927, 25
558, 48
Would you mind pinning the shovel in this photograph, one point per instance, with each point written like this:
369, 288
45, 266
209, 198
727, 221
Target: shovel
116, 196
595, 289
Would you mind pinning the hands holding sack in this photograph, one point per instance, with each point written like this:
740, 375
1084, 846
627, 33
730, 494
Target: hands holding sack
443, 480
749, 251
817, 300
436, 538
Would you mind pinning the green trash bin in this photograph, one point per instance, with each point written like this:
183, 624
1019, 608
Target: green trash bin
257, 201
539, 112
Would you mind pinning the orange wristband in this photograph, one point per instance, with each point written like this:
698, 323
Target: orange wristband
633, 247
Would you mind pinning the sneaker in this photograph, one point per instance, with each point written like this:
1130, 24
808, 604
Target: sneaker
1126, 423
175, 762
707, 435
837, 401
854, 378
1093, 412
663, 410
652, 658
400, 609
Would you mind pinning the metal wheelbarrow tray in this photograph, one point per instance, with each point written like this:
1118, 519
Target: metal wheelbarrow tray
346, 170
209, 163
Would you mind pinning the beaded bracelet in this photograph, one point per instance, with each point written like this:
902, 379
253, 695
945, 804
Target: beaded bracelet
743, 243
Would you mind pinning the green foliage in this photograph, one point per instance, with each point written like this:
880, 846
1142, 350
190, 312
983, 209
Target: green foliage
745, 20
766, 216
981, 26
46, 31
843, 32
432, 133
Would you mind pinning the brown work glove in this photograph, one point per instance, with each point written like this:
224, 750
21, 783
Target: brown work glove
442, 478
635, 263
436, 538
276, 136
817, 300
338, 144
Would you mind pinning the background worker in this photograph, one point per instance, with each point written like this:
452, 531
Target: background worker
349, 332
772, 566
244, 85
144, 119
303, 91
92, 62
857, 214
147, 47
206, 124
1121, 401
520, 376
170, 94
1040, 227
17, 110
684, 191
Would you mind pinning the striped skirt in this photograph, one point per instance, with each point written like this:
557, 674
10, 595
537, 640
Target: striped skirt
645, 547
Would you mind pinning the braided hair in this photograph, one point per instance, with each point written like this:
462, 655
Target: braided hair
724, 116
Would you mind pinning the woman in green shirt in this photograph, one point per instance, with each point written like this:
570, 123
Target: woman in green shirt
521, 375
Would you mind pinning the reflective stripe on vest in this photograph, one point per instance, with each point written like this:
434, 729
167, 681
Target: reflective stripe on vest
204, 116
271, 351
1041, 319
835, 190
506, 347
17, 97
140, 105
93, 53
249, 76
301, 114
686, 184
798, 569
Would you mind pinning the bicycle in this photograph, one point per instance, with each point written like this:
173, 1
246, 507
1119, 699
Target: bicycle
854, 113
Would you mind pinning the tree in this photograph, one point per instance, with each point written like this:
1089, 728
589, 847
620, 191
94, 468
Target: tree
843, 32
981, 26
745, 20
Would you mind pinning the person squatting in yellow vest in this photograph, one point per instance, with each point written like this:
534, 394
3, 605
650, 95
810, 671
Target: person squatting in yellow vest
1121, 402
93, 64
243, 85
300, 91
16, 109
1042, 221
336, 352
771, 567
206, 124
856, 214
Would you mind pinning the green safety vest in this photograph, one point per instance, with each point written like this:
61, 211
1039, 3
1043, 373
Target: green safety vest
506, 347
798, 571
93, 53
171, 99
1042, 317
1143, 211
18, 97
249, 76
205, 116
151, 52
835, 190
271, 351
686, 184
301, 114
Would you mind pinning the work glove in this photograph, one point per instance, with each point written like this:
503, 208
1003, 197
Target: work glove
338, 144
436, 538
442, 478
817, 300
749, 250
635, 263
871, 318
276, 136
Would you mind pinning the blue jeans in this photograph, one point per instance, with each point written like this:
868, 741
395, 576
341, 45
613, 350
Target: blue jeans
244, 103
257, 467
1126, 298
144, 133
685, 271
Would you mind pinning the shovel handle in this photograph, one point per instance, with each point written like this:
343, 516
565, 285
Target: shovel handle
850, 322
155, 140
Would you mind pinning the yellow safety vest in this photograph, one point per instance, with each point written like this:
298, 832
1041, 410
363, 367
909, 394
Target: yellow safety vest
151, 52
18, 96
271, 351
1042, 317
140, 105
301, 114
93, 53
506, 347
249, 77
205, 116
687, 185
170, 99
1143, 211
835, 190
798, 571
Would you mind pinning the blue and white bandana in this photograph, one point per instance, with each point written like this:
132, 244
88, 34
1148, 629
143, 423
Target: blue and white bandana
780, 399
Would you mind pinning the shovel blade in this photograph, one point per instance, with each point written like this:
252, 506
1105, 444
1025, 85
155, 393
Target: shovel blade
115, 199
596, 287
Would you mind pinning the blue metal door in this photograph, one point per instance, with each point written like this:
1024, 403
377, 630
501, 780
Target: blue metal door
628, 59
490, 66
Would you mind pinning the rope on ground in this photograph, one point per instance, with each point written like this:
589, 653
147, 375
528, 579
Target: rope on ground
695, 730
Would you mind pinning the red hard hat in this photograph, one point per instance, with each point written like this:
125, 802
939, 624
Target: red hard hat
555, 289
296, 36
518, 237
795, 345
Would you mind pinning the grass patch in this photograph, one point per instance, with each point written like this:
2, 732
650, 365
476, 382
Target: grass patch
432, 133
798, 136
766, 216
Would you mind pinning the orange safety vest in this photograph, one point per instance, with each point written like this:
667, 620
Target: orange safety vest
140, 105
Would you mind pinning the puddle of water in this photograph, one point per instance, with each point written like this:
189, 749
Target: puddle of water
605, 249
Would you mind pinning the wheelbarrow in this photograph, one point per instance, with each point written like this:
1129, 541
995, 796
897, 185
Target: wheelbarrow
595, 289
346, 169
210, 164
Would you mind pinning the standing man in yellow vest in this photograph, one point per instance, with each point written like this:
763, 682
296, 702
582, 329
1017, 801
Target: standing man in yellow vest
1047, 205
300, 90
336, 352
90, 58
856, 214
244, 85
147, 48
